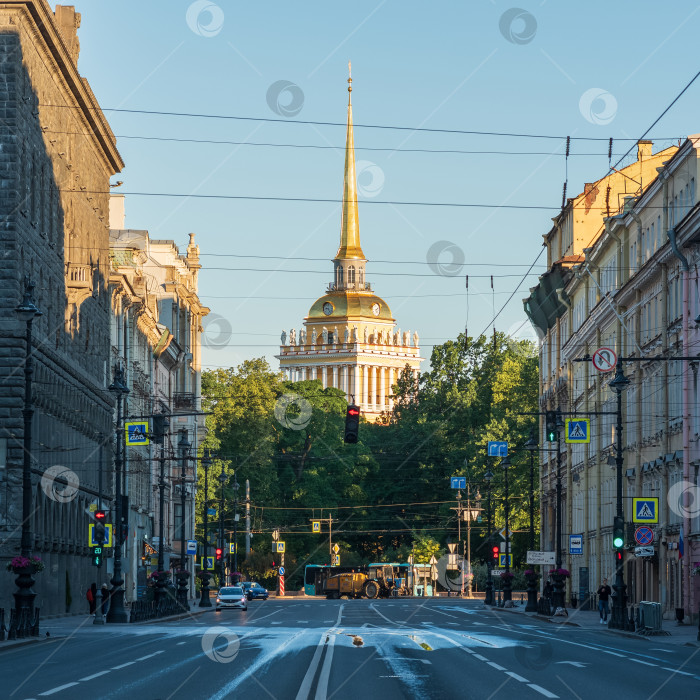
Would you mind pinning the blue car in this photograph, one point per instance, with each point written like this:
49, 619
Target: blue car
254, 590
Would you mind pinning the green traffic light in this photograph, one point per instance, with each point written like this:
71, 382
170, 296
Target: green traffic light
551, 436
618, 542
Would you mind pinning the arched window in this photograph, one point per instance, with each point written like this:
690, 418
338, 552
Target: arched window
361, 277
351, 274
340, 276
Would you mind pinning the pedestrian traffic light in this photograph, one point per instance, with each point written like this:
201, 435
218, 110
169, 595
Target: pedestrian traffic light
352, 424
495, 551
551, 425
160, 427
219, 553
619, 532
97, 556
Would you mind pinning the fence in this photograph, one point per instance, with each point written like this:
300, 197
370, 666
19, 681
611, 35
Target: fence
22, 625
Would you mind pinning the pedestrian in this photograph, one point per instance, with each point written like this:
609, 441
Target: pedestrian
548, 590
604, 592
91, 596
105, 598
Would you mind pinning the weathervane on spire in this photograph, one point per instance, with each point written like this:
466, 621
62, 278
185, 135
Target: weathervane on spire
349, 76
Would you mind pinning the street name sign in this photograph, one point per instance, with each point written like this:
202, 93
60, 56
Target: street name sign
643, 535
575, 544
644, 551
534, 557
497, 448
577, 430
458, 482
137, 433
645, 510
604, 359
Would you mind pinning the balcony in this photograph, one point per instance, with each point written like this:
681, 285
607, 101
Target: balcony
78, 276
184, 401
349, 286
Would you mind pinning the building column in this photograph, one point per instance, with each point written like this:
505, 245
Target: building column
374, 372
335, 377
365, 386
355, 380
324, 375
382, 388
392, 381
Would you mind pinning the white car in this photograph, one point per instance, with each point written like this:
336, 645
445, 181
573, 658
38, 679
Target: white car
231, 597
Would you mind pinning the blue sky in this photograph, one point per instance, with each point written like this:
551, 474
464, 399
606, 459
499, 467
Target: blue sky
465, 66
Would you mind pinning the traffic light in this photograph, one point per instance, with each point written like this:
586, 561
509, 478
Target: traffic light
97, 556
100, 534
551, 425
160, 427
352, 424
219, 553
619, 532
495, 551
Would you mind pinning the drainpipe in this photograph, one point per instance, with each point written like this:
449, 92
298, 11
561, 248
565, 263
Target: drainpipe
685, 568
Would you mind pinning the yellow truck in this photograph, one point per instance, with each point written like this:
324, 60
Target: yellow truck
351, 585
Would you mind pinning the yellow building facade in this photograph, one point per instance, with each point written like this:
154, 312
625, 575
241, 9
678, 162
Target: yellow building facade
349, 339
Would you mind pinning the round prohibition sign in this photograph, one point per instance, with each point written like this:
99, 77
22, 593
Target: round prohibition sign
644, 535
604, 359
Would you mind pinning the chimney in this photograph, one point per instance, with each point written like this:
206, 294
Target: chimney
644, 149
68, 21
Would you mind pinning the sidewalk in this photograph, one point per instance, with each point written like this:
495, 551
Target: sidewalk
590, 620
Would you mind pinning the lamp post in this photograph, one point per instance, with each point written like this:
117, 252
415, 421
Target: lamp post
161, 423
488, 599
471, 515
183, 447
617, 620
27, 312
116, 611
507, 584
558, 581
205, 601
236, 486
459, 537
531, 446
223, 478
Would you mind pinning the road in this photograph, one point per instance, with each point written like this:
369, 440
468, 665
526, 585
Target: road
300, 649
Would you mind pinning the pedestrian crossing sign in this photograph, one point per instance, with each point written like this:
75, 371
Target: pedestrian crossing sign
316, 526
578, 430
207, 563
108, 536
646, 510
137, 433
502, 560
231, 548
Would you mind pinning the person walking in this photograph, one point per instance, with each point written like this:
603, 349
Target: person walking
105, 598
91, 596
548, 590
604, 593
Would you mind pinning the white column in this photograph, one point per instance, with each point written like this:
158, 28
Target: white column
365, 385
355, 382
323, 375
335, 377
392, 381
382, 388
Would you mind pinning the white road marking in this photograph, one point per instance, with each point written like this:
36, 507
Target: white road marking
94, 675
578, 664
673, 670
305, 687
150, 656
128, 663
612, 653
59, 689
517, 677
178, 644
480, 657
391, 622
276, 623
638, 661
541, 690
495, 665
666, 651
322, 687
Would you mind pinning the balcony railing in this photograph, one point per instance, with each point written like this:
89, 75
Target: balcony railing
184, 400
78, 276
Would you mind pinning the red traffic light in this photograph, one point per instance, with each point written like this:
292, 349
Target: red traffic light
353, 411
100, 515
496, 551
618, 556
219, 552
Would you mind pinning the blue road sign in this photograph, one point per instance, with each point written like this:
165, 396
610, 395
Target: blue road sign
645, 510
644, 535
497, 448
281, 571
137, 433
211, 511
502, 560
575, 544
578, 430
458, 482
191, 547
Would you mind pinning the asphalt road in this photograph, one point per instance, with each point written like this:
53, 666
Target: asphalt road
299, 649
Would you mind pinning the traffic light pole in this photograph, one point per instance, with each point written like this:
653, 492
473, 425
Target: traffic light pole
205, 601
488, 599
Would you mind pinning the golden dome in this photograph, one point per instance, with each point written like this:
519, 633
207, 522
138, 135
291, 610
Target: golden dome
352, 305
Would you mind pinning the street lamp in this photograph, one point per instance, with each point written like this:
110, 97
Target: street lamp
161, 425
183, 447
459, 537
27, 312
558, 585
205, 601
618, 618
531, 446
223, 478
488, 599
507, 584
117, 612
236, 486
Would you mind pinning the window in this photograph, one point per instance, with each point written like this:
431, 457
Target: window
351, 274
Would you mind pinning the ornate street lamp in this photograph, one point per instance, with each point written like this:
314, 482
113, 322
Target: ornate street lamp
117, 612
618, 618
507, 584
183, 574
161, 425
531, 446
236, 486
26, 313
558, 597
223, 478
205, 601
488, 599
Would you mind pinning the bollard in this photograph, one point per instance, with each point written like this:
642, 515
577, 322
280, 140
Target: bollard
99, 617
521, 599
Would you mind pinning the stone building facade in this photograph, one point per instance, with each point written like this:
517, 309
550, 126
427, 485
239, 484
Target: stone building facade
632, 287
57, 154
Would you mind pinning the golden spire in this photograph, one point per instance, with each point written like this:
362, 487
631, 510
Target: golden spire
350, 223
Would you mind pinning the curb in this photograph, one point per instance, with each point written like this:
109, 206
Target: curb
26, 642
